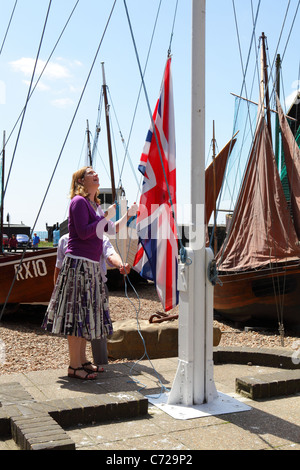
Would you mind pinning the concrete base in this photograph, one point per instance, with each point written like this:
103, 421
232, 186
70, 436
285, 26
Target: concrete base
223, 404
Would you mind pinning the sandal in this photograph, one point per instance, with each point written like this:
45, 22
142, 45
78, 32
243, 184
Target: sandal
98, 368
86, 377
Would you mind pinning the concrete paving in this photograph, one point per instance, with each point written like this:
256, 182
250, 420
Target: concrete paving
270, 423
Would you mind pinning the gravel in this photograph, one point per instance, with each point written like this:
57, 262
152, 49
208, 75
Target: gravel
25, 347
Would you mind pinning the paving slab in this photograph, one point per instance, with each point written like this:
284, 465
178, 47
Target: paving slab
270, 423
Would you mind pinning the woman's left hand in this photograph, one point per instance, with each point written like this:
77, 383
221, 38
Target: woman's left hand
125, 269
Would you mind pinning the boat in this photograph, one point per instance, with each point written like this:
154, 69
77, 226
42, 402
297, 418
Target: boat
25, 276
258, 264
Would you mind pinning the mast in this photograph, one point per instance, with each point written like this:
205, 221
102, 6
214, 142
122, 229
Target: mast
2, 193
112, 176
89, 155
215, 191
264, 93
278, 65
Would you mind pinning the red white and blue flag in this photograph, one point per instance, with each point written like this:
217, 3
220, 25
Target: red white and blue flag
157, 255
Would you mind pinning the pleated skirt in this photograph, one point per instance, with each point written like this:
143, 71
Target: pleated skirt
79, 302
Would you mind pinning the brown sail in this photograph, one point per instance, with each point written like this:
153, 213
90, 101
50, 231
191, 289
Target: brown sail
220, 166
262, 231
292, 161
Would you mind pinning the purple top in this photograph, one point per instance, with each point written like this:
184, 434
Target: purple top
86, 230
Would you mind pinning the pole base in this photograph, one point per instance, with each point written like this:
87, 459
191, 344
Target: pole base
222, 404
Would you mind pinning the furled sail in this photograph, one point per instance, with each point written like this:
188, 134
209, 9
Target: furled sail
261, 231
220, 166
292, 162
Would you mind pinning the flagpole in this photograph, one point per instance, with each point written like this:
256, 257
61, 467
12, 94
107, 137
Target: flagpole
193, 392
193, 384
198, 190
2, 192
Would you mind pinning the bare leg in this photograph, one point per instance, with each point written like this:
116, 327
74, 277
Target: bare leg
77, 347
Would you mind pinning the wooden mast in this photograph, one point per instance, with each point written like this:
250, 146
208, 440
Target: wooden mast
112, 176
215, 191
265, 83
278, 64
89, 154
2, 193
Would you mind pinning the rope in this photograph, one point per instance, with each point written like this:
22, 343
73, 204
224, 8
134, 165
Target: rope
163, 388
11, 17
126, 278
182, 248
28, 95
279, 303
125, 146
60, 154
172, 32
48, 60
244, 72
139, 93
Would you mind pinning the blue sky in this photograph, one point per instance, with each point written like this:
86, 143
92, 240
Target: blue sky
52, 106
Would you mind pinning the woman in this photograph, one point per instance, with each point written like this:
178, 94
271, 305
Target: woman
78, 306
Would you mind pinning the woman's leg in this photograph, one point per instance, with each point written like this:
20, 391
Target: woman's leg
89, 367
77, 347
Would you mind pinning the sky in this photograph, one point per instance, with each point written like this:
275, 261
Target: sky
51, 142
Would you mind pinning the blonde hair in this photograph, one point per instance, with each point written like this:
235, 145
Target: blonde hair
77, 187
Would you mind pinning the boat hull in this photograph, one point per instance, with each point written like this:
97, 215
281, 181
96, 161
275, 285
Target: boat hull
267, 295
34, 281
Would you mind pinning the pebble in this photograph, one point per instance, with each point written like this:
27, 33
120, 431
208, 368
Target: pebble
29, 348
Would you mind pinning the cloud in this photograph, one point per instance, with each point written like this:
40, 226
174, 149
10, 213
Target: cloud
53, 71
40, 86
62, 103
290, 99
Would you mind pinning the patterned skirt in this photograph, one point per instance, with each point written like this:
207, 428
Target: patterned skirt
79, 302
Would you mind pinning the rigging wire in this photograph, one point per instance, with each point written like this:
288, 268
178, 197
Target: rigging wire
280, 313
280, 292
154, 130
40, 76
126, 278
61, 151
244, 72
10, 20
173, 26
140, 89
28, 95
123, 142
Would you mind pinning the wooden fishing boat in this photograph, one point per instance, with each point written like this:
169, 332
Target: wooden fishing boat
259, 262
28, 277
260, 295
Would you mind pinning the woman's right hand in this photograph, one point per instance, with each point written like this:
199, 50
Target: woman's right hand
110, 212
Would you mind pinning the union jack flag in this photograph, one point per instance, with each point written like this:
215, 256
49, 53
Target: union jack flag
157, 254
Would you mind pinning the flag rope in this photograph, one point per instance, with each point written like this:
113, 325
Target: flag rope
182, 250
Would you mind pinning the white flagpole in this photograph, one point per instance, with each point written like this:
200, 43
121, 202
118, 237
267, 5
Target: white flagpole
193, 392
193, 383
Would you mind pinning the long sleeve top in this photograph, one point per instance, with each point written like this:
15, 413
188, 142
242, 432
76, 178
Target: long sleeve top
86, 230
